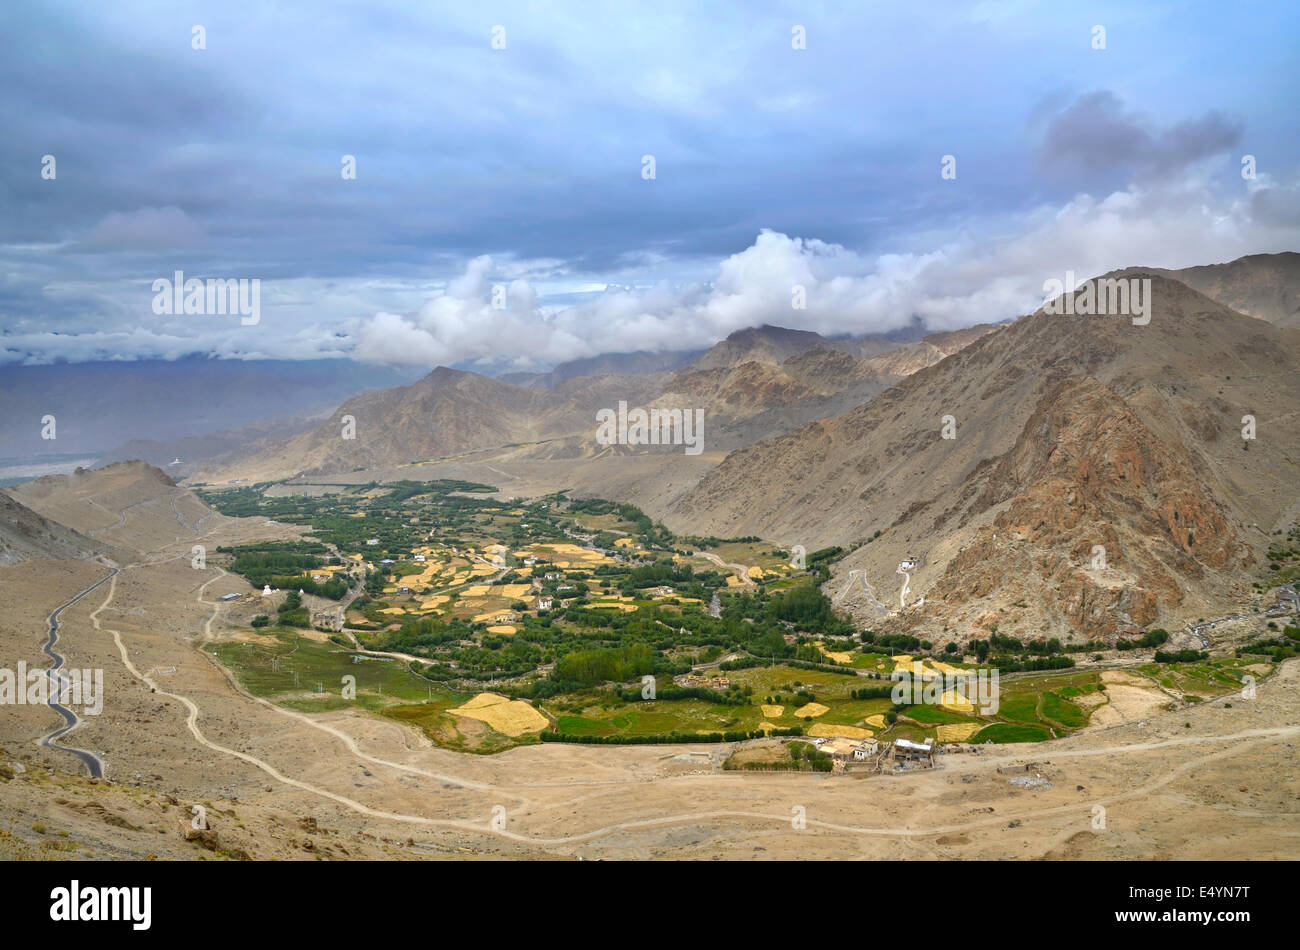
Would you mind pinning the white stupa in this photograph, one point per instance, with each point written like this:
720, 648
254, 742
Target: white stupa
266, 591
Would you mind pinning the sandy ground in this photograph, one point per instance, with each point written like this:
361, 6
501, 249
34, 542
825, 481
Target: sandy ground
1204, 781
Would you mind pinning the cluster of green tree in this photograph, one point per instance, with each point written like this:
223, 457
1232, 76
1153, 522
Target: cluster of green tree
292, 613
416, 636
780, 765
663, 571
1180, 656
480, 662
1039, 647
901, 642
1277, 648
673, 693
819, 562
261, 565
691, 542
1153, 638
1006, 663
590, 667
817, 760
770, 615
872, 692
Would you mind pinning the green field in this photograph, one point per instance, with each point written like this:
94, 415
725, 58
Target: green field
266, 667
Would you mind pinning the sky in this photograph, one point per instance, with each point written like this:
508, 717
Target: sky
500, 150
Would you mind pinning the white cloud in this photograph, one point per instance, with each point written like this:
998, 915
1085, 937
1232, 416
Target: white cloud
959, 281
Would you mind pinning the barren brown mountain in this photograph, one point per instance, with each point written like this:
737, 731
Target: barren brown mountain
1266, 286
742, 384
25, 534
1070, 432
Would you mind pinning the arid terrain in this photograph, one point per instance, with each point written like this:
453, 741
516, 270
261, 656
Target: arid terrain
177, 732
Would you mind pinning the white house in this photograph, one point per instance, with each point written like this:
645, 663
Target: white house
865, 748
544, 603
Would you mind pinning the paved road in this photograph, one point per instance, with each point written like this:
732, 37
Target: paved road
70, 719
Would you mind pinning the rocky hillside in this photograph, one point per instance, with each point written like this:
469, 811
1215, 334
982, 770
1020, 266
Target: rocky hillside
25, 534
1266, 286
755, 383
1068, 432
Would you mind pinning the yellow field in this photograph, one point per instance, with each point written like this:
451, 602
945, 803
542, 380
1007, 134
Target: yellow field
773, 712
957, 731
943, 667
837, 657
476, 590
877, 720
956, 702
812, 711
501, 628
844, 732
509, 717
514, 591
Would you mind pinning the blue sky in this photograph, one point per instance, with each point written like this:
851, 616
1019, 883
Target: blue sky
523, 167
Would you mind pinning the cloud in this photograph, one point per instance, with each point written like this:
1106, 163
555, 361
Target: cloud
1095, 137
143, 229
995, 275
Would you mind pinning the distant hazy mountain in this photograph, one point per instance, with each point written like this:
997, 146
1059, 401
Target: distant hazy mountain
98, 406
606, 364
179, 457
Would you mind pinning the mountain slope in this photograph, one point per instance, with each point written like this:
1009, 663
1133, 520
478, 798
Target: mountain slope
1265, 286
1177, 387
451, 412
25, 534
765, 344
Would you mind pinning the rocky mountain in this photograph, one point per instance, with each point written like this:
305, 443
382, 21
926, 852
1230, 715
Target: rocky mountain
765, 344
24, 534
1067, 433
1266, 286
748, 385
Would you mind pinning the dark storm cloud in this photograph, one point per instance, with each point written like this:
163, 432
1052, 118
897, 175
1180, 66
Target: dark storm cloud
1097, 137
